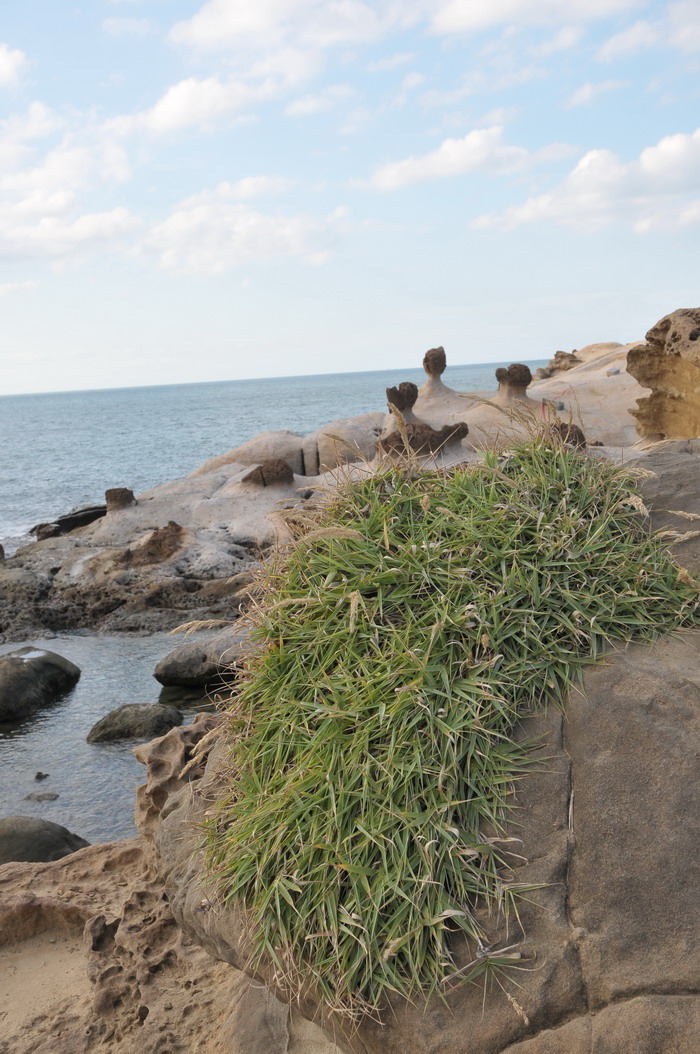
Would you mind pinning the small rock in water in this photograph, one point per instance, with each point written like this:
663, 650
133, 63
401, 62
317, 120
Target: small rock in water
41, 776
41, 796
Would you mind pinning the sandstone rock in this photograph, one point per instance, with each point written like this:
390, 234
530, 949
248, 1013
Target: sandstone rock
203, 662
561, 361
29, 838
669, 364
422, 439
135, 721
611, 938
434, 364
673, 496
280, 444
119, 498
341, 442
403, 398
269, 472
31, 678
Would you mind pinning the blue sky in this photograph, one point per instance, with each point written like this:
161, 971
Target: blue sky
206, 191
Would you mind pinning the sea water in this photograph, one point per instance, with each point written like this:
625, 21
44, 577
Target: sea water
62, 450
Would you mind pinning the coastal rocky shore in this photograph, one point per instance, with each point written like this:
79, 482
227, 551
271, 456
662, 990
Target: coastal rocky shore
126, 946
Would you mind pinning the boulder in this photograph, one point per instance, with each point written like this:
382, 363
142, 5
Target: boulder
135, 721
422, 439
31, 678
70, 521
202, 662
32, 839
669, 364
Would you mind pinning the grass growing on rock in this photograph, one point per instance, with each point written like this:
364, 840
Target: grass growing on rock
408, 630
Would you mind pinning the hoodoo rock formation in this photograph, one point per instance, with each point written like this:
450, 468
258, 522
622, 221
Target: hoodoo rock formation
669, 364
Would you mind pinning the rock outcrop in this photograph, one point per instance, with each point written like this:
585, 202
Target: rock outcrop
205, 663
135, 721
31, 678
30, 838
561, 361
669, 364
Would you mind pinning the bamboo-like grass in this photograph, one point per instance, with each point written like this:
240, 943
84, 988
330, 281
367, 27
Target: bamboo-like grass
409, 628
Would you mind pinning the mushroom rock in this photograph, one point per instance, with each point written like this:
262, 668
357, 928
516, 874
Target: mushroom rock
512, 384
669, 364
434, 363
403, 398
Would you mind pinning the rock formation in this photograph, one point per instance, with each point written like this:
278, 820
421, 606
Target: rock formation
562, 360
25, 838
669, 364
135, 721
199, 663
31, 678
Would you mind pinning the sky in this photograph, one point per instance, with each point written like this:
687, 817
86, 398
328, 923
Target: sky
209, 191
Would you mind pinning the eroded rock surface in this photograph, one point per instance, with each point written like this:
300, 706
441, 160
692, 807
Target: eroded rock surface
669, 364
135, 721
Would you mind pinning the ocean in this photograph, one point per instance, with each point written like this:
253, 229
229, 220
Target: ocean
64, 449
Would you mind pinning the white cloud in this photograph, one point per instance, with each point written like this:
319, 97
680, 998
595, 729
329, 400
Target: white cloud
226, 24
462, 16
58, 236
565, 38
481, 150
12, 63
127, 27
684, 25
390, 63
657, 189
193, 102
324, 100
9, 288
638, 37
213, 231
585, 95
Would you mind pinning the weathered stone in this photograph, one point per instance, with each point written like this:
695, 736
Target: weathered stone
135, 721
31, 678
669, 364
403, 398
30, 839
435, 362
422, 439
273, 471
198, 663
562, 361
119, 498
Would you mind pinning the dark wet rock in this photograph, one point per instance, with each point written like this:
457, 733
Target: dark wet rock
206, 662
31, 678
32, 839
135, 721
71, 521
41, 796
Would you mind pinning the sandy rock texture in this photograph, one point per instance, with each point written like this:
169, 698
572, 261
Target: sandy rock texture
174, 555
669, 364
91, 958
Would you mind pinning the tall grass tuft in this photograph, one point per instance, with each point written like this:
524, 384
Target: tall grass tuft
372, 741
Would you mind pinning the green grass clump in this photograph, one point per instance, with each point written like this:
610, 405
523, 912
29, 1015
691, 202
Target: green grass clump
372, 741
